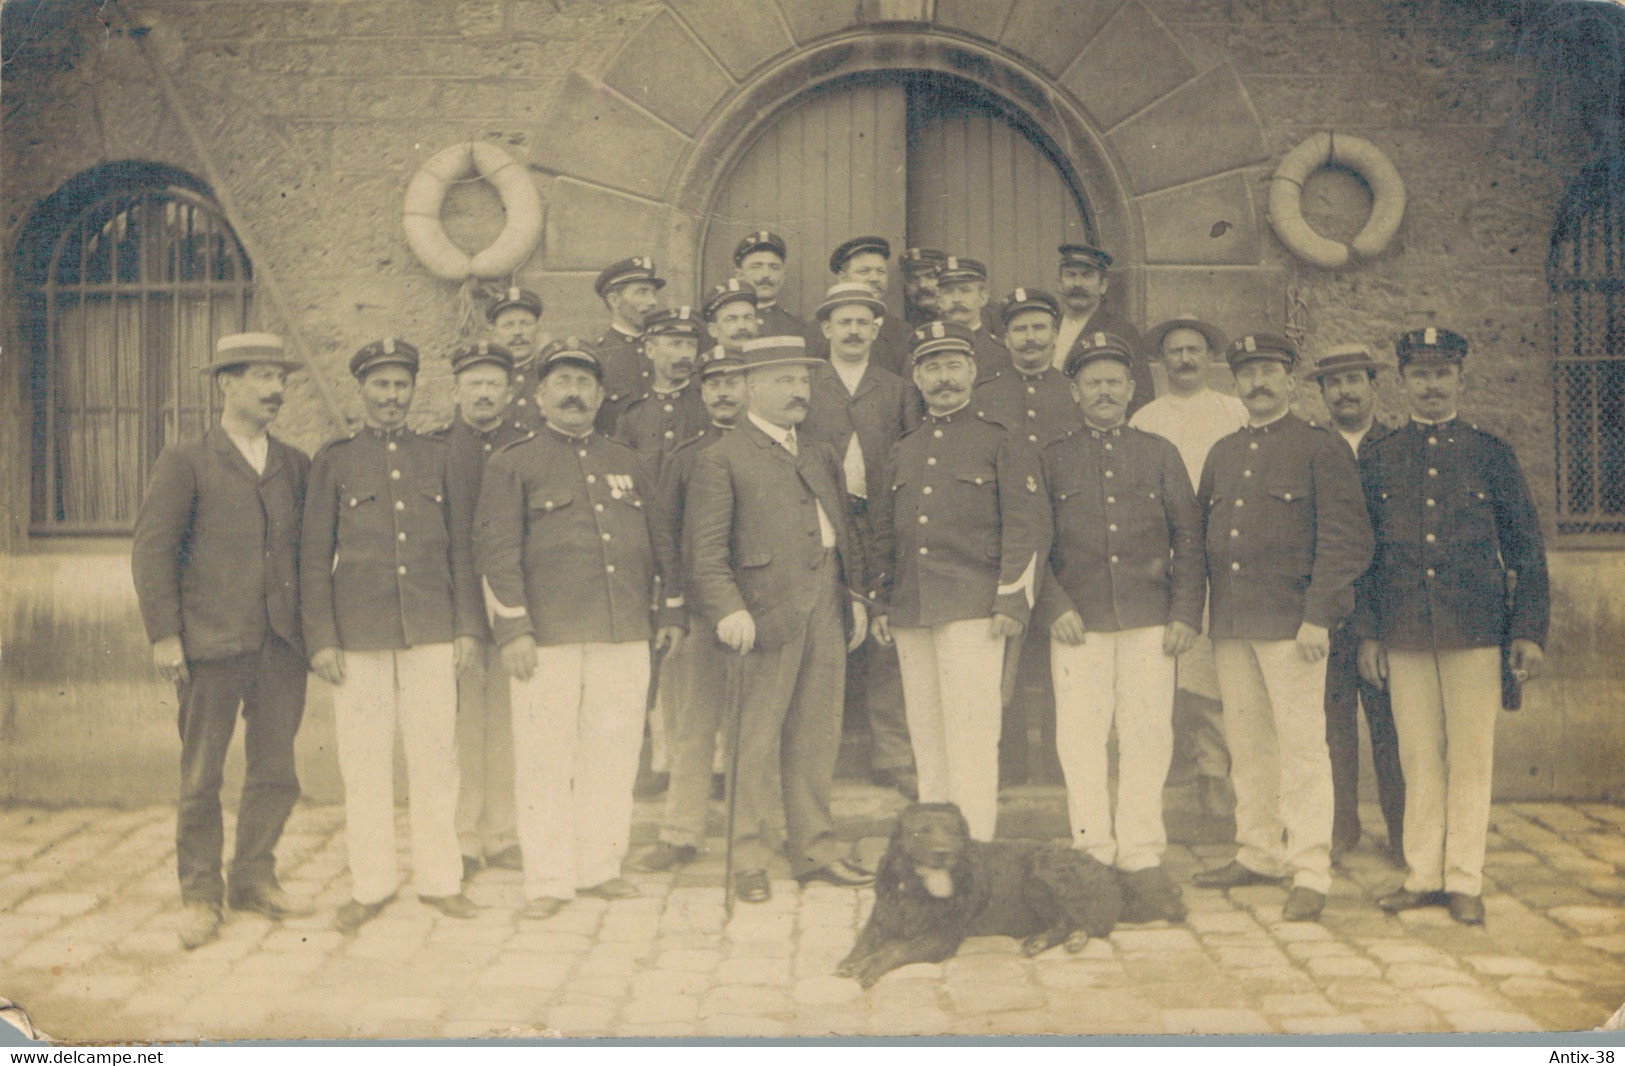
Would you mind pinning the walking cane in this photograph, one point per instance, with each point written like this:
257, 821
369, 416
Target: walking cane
735, 711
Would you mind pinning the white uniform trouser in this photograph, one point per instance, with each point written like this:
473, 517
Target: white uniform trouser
1275, 726
1121, 678
416, 687
1446, 704
951, 676
485, 819
577, 733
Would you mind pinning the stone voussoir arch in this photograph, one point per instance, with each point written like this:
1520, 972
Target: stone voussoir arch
1166, 155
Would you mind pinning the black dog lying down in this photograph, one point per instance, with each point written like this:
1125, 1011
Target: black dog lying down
936, 886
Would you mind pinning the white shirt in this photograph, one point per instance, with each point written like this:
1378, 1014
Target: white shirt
785, 438
256, 451
1066, 334
1354, 439
852, 462
1193, 423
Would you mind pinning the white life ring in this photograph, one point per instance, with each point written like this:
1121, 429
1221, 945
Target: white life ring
1360, 156
520, 201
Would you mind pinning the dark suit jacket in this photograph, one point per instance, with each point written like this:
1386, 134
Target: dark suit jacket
750, 532
216, 555
880, 412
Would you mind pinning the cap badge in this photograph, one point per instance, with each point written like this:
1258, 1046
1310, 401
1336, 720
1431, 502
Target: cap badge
1021, 295
1430, 336
1100, 340
1032, 483
485, 347
513, 292
389, 345
937, 330
1249, 343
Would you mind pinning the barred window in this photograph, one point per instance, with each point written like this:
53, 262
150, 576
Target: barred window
129, 294
1586, 274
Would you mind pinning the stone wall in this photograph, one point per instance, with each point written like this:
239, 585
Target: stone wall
307, 117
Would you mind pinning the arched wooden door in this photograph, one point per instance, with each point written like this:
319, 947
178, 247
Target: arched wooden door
921, 159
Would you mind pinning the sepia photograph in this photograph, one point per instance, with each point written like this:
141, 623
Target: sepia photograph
700, 520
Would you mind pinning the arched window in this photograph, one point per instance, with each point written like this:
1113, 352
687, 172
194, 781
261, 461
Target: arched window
1586, 273
130, 274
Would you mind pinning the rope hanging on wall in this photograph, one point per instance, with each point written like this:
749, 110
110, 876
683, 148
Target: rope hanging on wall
426, 194
1358, 155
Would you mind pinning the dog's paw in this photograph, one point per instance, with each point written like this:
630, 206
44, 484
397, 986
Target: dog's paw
1077, 942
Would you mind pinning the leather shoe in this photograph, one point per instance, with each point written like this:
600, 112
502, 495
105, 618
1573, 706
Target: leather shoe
199, 925
843, 872
509, 858
903, 780
663, 856
614, 888
1303, 905
751, 886
542, 907
1343, 846
270, 901
458, 906
1468, 910
1231, 875
354, 914
1403, 899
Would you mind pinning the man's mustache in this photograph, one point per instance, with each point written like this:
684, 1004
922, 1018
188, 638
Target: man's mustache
853, 338
941, 387
1031, 346
574, 401
275, 398
1262, 390
794, 403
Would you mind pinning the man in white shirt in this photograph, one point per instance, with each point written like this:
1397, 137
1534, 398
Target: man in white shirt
1194, 416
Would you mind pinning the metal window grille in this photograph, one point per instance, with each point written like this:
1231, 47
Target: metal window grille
1586, 275
139, 287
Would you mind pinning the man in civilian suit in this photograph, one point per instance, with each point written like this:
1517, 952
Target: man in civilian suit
215, 561
771, 560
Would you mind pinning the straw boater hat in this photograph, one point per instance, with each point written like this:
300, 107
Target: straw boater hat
848, 292
762, 352
241, 349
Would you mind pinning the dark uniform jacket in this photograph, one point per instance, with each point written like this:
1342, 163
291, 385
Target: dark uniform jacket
751, 537
1287, 532
568, 540
1038, 406
216, 554
963, 524
384, 562
673, 487
654, 423
471, 449
1128, 532
627, 374
523, 414
1452, 515
992, 357
775, 321
882, 409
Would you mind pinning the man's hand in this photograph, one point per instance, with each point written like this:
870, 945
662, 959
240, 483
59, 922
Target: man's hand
463, 650
519, 657
1526, 659
880, 629
667, 638
1068, 629
1177, 638
328, 663
1002, 625
738, 631
1374, 663
860, 626
170, 658
1314, 642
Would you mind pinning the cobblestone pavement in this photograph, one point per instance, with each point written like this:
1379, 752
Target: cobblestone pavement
88, 912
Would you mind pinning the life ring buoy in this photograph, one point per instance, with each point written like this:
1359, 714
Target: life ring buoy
427, 193
1360, 156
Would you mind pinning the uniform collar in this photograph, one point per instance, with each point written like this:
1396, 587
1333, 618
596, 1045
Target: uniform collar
765, 305
483, 434
1033, 375
949, 417
1272, 425
561, 435
1101, 434
615, 327
1420, 421
678, 391
385, 434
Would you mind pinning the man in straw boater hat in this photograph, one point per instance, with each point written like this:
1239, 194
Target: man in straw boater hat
215, 562
1194, 416
772, 567
1122, 600
515, 317
867, 260
861, 409
391, 613
630, 288
1452, 615
1348, 383
483, 392
759, 263
962, 524
1287, 535
568, 544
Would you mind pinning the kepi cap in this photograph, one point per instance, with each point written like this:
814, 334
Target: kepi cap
719, 360
1342, 358
848, 292
918, 261
481, 352
1430, 345
1217, 342
391, 351
626, 271
1092, 347
1084, 255
726, 293
761, 240
857, 246
961, 268
935, 337
242, 349
569, 351
1025, 299
514, 296
674, 322
1262, 346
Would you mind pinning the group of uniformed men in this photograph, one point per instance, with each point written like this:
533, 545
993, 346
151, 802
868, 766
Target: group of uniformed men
857, 509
